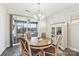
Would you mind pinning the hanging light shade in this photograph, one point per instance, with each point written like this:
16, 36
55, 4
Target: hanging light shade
39, 15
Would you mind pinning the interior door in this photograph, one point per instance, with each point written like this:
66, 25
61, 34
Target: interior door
56, 30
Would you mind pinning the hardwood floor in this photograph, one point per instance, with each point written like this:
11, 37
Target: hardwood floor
69, 52
12, 51
15, 51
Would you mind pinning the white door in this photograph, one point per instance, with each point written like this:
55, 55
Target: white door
59, 29
55, 31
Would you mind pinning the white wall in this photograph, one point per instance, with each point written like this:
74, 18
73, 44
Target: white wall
65, 16
4, 29
74, 36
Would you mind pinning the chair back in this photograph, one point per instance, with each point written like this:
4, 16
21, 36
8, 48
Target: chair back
29, 36
43, 35
59, 39
25, 47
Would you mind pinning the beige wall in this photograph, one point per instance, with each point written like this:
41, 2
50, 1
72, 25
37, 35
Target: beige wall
4, 28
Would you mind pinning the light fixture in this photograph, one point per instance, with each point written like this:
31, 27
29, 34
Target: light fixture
35, 16
39, 15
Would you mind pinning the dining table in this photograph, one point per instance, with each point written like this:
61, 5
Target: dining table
40, 43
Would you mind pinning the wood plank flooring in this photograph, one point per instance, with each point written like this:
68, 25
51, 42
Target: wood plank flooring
12, 51
15, 51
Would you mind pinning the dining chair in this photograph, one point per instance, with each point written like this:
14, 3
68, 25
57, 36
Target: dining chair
53, 50
28, 35
26, 50
43, 35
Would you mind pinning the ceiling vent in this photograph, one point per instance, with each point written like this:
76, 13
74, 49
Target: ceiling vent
27, 11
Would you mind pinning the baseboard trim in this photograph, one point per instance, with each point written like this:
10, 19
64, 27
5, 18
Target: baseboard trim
62, 48
74, 49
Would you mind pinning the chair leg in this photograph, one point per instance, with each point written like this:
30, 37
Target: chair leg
44, 53
56, 50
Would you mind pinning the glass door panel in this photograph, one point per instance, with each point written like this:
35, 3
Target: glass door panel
34, 29
19, 30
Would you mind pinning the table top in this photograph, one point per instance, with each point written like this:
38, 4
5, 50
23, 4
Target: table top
35, 42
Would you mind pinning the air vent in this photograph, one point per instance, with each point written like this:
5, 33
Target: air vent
27, 10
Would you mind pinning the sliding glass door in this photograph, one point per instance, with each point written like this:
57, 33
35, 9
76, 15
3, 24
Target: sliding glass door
33, 27
19, 27
19, 30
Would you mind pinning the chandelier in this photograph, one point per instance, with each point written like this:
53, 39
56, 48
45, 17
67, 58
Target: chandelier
39, 15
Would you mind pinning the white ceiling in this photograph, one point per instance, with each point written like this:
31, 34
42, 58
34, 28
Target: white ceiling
47, 9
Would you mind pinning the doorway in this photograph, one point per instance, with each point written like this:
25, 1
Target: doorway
19, 30
19, 26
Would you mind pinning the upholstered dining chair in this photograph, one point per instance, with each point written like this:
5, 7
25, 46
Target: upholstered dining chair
53, 50
43, 35
28, 35
26, 50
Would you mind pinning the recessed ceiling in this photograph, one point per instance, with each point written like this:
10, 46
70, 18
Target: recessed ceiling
46, 9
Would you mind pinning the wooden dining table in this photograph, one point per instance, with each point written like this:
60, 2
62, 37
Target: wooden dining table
41, 43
